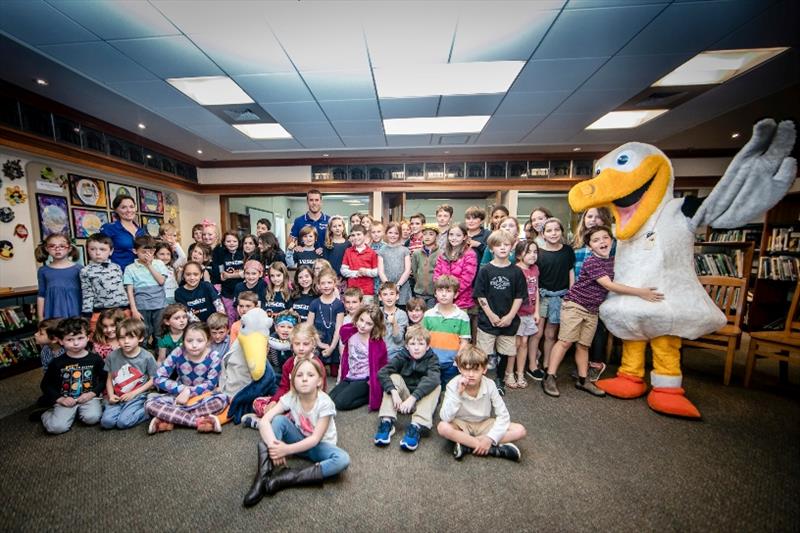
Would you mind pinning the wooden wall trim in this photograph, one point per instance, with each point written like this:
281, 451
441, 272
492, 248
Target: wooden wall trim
27, 142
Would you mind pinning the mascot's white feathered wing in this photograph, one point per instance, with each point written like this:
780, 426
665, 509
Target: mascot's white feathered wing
655, 233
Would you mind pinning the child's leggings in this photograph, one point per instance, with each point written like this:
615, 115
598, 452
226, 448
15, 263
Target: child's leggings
331, 459
165, 408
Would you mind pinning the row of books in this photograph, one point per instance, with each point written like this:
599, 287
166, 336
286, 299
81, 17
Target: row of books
16, 317
736, 235
720, 264
12, 352
784, 240
782, 267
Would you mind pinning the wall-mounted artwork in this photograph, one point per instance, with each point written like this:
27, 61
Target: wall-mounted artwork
89, 192
53, 214
86, 222
117, 189
171, 212
151, 201
152, 224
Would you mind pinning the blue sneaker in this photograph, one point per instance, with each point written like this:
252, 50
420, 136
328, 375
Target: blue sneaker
410, 440
383, 437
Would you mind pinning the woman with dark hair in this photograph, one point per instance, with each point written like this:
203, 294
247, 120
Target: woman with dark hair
270, 249
123, 231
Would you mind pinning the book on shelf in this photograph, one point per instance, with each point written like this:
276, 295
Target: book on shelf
15, 317
12, 352
781, 267
784, 240
736, 235
720, 264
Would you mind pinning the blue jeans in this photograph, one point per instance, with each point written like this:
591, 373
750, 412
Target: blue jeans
331, 459
124, 415
447, 371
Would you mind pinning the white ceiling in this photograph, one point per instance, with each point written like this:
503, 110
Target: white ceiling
309, 65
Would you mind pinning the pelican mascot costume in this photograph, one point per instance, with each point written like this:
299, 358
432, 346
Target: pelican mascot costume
246, 374
655, 233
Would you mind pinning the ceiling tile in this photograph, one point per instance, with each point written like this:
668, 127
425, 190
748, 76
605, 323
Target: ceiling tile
36, 22
191, 116
474, 104
692, 27
231, 17
303, 130
532, 103
408, 140
595, 101
320, 35
274, 88
321, 142
583, 4
776, 26
120, 19
403, 33
594, 32
99, 61
512, 123
633, 72
340, 85
556, 75
372, 141
358, 128
295, 112
508, 31
152, 94
502, 137
244, 53
351, 109
279, 144
169, 57
409, 107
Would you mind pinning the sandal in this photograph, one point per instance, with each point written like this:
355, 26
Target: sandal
521, 382
510, 381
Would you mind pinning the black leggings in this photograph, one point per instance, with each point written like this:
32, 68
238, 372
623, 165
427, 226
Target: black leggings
597, 352
349, 395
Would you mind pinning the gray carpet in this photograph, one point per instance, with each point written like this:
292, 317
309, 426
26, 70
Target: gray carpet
587, 464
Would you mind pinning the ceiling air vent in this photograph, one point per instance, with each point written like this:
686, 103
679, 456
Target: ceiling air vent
451, 139
238, 115
241, 113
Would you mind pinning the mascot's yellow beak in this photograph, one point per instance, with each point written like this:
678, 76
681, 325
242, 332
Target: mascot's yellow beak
633, 196
254, 347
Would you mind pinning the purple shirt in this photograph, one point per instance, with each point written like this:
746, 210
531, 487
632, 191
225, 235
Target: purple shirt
586, 291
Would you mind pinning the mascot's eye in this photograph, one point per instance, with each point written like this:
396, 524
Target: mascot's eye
597, 172
622, 159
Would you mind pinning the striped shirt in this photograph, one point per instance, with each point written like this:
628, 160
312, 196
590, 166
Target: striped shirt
586, 291
446, 332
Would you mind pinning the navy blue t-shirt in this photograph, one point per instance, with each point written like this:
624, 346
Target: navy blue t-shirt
306, 257
301, 305
260, 289
200, 301
276, 305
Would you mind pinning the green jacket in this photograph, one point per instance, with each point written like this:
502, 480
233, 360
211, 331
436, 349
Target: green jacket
421, 375
422, 266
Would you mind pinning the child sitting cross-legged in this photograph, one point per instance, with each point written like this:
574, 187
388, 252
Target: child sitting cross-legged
466, 413
307, 431
131, 370
74, 381
191, 400
410, 383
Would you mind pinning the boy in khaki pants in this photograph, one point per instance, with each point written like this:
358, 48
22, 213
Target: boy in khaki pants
411, 385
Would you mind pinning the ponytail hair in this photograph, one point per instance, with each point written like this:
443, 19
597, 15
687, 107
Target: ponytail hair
42, 255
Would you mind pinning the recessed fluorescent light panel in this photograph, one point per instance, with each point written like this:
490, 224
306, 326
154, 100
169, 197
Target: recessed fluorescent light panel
211, 90
441, 125
263, 131
413, 81
625, 119
717, 66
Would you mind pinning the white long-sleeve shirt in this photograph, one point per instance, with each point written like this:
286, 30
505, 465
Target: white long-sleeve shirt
476, 408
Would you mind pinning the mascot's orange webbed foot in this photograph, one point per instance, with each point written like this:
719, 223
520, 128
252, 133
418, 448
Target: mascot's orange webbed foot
623, 386
672, 401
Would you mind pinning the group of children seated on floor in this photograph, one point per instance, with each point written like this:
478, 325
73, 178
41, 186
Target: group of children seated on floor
396, 358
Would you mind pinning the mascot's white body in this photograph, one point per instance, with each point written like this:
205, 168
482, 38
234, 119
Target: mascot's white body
655, 233
654, 258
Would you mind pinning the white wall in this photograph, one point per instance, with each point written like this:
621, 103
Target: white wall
297, 174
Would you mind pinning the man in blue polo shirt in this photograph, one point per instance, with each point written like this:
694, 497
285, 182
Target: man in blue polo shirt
313, 217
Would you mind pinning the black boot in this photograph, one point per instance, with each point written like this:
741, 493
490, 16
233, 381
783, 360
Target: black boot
256, 491
506, 451
290, 477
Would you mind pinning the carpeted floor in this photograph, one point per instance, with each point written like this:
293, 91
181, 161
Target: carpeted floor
588, 464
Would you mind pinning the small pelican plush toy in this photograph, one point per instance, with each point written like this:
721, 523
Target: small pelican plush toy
246, 374
655, 249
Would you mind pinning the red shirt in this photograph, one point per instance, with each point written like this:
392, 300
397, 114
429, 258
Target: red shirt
367, 258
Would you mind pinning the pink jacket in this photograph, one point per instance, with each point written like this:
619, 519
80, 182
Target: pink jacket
378, 358
464, 271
